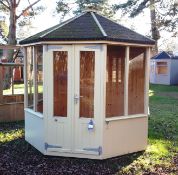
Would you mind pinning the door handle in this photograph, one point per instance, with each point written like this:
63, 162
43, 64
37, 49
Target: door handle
77, 98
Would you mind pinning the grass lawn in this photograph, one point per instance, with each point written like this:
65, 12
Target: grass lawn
19, 89
160, 157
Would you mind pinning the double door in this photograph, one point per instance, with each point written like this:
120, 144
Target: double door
73, 124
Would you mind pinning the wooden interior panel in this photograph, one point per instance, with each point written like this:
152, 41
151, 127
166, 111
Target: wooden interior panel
87, 70
115, 81
136, 82
60, 83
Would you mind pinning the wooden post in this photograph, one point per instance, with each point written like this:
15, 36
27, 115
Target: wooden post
147, 73
126, 80
25, 78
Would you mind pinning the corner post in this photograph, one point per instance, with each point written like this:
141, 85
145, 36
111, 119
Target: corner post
147, 73
35, 80
25, 78
126, 80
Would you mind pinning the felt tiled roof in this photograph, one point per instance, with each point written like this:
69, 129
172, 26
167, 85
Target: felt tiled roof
162, 55
89, 26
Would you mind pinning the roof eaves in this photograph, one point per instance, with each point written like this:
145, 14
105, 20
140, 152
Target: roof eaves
59, 26
98, 24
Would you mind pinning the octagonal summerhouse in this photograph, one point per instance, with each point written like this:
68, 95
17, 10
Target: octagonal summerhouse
86, 88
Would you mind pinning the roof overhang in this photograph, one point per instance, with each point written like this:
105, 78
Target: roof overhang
88, 42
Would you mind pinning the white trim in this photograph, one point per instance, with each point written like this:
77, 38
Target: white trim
34, 80
37, 114
126, 79
125, 117
61, 25
98, 24
89, 42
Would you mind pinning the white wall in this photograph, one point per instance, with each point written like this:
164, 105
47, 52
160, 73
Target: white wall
160, 78
34, 130
125, 136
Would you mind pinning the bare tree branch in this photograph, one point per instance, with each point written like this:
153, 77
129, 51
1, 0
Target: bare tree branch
5, 5
18, 3
30, 6
8, 2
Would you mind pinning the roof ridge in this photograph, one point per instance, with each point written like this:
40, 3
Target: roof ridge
60, 25
98, 24
123, 26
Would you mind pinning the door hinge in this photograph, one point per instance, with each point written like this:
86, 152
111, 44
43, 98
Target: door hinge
46, 145
99, 150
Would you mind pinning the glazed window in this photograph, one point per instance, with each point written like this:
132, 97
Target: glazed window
87, 78
39, 78
60, 71
35, 78
115, 81
162, 68
30, 73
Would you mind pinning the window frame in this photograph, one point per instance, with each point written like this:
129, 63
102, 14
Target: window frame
158, 66
35, 82
126, 83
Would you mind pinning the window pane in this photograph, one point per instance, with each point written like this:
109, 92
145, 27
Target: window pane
30, 77
162, 68
60, 83
115, 81
39, 74
87, 70
136, 81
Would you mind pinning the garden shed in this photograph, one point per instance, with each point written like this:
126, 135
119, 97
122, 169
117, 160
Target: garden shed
87, 82
164, 69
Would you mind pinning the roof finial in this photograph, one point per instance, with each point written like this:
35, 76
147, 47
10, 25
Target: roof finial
91, 8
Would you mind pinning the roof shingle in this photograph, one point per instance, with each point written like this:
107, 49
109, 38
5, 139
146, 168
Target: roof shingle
85, 27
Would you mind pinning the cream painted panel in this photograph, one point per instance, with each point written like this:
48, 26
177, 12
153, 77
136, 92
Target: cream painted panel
34, 130
125, 136
59, 129
85, 140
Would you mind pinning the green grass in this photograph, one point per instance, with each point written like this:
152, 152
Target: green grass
19, 89
163, 132
163, 135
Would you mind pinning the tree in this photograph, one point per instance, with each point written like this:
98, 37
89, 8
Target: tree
11, 7
163, 14
103, 6
3, 30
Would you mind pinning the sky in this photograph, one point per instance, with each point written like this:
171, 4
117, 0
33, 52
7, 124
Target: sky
48, 19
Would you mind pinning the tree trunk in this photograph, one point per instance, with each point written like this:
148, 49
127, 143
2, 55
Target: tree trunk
154, 28
12, 25
11, 41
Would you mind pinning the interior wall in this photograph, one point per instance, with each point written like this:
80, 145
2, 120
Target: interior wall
136, 82
115, 81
